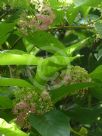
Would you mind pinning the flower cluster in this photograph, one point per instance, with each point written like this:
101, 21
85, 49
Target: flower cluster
29, 101
40, 21
44, 19
71, 75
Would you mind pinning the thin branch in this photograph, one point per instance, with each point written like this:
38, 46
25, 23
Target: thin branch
10, 71
18, 39
72, 27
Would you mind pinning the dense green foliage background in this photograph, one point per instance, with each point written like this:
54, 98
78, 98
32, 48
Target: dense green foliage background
51, 67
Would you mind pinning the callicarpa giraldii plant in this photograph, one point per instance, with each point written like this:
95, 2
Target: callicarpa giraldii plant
50, 68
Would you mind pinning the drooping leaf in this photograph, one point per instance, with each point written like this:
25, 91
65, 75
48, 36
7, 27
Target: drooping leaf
53, 123
45, 41
5, 102
59, 93
14, 82
97, 74
76, 47
84, 114
10, 129
6, 115
96, 91
5, 29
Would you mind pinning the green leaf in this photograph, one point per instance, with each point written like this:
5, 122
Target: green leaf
59, 93
82, 6
59, 17
79, 2
76, 47
45, 41
98, 27
10, 129
5, 91
93, 3
60, 60
53, 123
84, 115
5, 102
5, 29
14, 82
16, 3
56, 4
44, 73
72, 13
7, 114
98, 55
18, 59
96, 75
50, 66
19, 52
96, 91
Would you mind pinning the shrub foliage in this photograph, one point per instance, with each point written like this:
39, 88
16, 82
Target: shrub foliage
51, 67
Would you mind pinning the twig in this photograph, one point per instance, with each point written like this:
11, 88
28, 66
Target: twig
72, 27
10, 71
